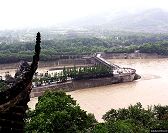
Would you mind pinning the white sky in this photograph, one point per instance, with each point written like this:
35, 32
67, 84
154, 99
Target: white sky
39, 13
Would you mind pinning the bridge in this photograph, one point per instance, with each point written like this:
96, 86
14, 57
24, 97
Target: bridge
104, 62
117, 70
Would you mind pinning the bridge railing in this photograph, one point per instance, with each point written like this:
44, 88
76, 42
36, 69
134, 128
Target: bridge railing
118, 69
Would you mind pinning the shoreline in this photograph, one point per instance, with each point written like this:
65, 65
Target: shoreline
83, 62
133, 56
119, 75
149, 90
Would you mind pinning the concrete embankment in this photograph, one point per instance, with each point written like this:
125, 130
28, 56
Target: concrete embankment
82, 84
120, 75
54, 64
132, 56
82, 61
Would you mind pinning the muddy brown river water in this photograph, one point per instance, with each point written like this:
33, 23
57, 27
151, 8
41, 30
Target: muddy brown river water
151, 89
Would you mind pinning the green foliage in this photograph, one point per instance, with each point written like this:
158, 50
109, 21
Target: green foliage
136, 113
161, 112
120, 126
90, 72
100, 128
74, 73
159, 48
58, 112
64, 75
3, 86
136, 119
51, 49
64, 47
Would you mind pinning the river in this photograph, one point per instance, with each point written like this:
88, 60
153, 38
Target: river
151, 89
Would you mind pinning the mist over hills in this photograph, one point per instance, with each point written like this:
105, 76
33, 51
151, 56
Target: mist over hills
148, 21
151, 20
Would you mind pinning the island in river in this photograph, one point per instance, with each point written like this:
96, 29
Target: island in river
149, 90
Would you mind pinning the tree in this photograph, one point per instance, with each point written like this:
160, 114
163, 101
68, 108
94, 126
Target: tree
3, 86
136, 119
57, 112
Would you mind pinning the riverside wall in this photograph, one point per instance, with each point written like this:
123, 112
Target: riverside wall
55, 63
82, 84
132, 56
120, 75
65, 62
82, 61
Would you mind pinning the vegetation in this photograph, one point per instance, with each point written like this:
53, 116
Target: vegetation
135, 119
51, 49
159, 48
65, 47
58, 112
74, 74
89, 72
3, 86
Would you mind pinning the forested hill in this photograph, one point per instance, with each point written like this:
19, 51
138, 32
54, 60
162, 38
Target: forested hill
107, 42
51, 49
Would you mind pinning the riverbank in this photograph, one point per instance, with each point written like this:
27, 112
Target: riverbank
119, 75
132, 56
151, 89
58, 64
55, 64
82, 84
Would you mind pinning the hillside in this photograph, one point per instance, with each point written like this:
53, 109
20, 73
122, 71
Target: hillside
152, 20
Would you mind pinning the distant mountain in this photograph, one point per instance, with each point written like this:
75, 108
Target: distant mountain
153, 20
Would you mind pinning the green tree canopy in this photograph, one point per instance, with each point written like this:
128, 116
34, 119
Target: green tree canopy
57, 112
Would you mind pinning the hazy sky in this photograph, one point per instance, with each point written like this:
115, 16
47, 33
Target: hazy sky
39, 13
